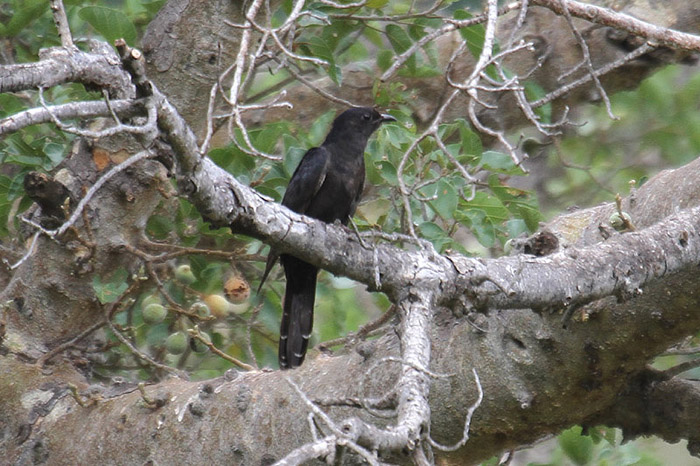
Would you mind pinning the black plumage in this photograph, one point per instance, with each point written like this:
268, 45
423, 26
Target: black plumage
327, 185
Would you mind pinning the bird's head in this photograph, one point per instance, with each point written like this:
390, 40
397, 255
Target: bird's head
359, 121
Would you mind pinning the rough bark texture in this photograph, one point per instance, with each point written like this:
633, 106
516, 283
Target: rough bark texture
590, 365
538, 378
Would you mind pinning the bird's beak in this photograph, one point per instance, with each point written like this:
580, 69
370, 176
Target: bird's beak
386, 117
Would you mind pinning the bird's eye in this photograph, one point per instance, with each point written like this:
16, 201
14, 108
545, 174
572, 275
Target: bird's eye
365, 116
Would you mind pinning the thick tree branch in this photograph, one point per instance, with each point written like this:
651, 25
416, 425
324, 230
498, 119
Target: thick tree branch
621, 266
81, 110
590, 364
606, 17
58, 66
651, 405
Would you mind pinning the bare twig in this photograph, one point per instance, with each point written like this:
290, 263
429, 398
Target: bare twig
682, 351
76, 396
467, 421
587, 58
363, 332
61, 21
522, 14
449, 26
320, 448
322, 92
148, 128
249, 334
341, 6
236, 83
80, 110
141, 355
204, 148
60, 348
639, 51
28, 254
195, 333
429, 12
341, 438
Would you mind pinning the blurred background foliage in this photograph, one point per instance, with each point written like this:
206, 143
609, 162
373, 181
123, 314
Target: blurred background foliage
658, 127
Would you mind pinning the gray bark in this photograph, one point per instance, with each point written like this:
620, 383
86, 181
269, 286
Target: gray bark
501, 317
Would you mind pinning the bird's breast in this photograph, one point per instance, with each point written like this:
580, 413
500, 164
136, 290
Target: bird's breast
338, 192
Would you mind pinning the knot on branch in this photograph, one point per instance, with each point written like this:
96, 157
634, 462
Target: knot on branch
54, 199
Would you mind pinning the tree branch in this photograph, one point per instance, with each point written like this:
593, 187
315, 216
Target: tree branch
58, 66
81, 110
606, 17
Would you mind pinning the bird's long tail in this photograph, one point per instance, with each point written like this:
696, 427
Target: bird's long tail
297, 311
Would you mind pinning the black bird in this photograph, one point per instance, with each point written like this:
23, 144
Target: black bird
327, 185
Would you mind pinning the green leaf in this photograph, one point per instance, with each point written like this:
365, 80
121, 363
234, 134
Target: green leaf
157, 334
335, 73
384, 59
197, 265
492, 207
531, 215
447, 197
320, 128
396, 135
10, 104
515, 227
16, 188
376, 4
416, 31
500, 162
600, 433
266, 139
474, 35
425, 71
398, 38
374, 210
234, 161
433, 233
479, 224
54, 152
5, 204
29, 161
401, 42
320, 48
388, 172
209, 279
110, 23
533, 92
153, 6
577, 447
339, 35
517, 201
291, 161
25, 12
471, 142
159, 226
114, 285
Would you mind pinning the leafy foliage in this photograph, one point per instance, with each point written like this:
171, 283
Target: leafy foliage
454, 213
658, 126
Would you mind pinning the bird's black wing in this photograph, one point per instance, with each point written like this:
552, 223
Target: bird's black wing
358, 196
307, 179
305, 183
